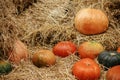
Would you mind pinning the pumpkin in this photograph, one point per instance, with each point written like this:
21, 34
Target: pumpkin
5, 67
18, 53
118, 49
91, 21
90, 49
113, 73
64, 48
86, 69
43, 57
109, 58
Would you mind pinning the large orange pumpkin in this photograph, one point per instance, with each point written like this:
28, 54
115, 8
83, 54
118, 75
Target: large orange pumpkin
64, 48
91, 21
86, 69
43, 57
19, 52
113, 73
90, 49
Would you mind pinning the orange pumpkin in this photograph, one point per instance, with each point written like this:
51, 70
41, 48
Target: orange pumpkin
91, 21
43, 58
19, 52
118, 49
113, 73
64, 48
86, 69
90, 49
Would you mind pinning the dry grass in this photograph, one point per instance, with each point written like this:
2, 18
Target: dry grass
47, 22
60, 71
8, 29
8, 34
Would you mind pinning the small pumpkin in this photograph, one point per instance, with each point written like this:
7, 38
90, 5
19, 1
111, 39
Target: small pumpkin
113, 73
43, 57
5, 67
118, 49
91, 21
90, 49
86, 69
109, 58
64, 48
18, 53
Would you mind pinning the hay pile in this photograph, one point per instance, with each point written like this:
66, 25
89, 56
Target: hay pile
60, 71
47, 22
53, 21
6, 8
21, 5
8, 34
8, 29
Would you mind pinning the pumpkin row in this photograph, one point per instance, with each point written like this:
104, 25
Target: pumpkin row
87, 68
88, 49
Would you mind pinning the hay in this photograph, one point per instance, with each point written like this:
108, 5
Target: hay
47, 22
8, 33
8, 29
14, 6
114, 10
21, 5
53, 21
6, 8
50, 35
60, 71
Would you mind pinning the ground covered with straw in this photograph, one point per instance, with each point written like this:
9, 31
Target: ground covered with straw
46, 22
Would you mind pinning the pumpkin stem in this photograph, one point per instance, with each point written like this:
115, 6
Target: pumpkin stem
88, 64
112, 54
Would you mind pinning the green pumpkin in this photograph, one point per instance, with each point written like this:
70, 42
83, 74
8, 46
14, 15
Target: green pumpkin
5, 67
109, 58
